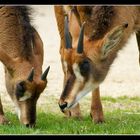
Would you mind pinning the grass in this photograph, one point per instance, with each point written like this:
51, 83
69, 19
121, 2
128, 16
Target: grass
122, 116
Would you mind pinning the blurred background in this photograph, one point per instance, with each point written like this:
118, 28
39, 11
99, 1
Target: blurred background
122, 80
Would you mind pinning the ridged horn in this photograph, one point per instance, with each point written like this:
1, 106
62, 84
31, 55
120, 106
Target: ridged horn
31, 75
68, 39
44, 75
81, 39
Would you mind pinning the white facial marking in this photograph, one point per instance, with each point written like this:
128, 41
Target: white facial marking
65, 65
18, 112
89, 86
73, 92
77, 73
26, 96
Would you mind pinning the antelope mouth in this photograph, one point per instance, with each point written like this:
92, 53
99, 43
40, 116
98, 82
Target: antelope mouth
67, 106
72, 105
75, 102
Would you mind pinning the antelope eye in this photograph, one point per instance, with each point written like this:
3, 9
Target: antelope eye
84, 67
20, 89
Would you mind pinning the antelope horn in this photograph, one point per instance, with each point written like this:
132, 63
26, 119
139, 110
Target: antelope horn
68, 40
44, 75
80, 41
31, 75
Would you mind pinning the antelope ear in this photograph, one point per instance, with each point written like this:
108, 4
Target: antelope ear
112, 39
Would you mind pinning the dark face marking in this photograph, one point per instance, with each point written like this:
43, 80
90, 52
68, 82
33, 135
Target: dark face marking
68, 87
20, 89
84, 67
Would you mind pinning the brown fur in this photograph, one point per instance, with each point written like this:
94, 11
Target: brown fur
19, 20
100, 23
21, 49
98, 18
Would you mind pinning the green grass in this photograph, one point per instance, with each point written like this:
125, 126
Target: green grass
122, 116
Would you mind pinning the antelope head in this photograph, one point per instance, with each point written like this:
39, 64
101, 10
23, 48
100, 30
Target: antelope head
27, 93
86, 65
25, 80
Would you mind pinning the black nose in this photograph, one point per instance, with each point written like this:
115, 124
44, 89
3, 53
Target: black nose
63, 106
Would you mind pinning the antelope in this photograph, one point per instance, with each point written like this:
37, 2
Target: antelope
91, 37
21, 52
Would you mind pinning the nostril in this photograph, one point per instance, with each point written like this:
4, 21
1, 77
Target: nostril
62, 106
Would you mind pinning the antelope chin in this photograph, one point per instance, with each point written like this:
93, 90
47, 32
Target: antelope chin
75, 102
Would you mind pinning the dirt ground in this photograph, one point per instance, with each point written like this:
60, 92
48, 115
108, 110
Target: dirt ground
123, 78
